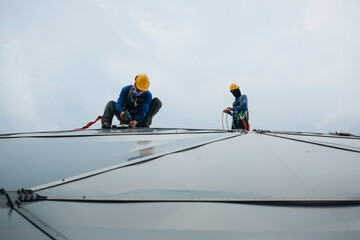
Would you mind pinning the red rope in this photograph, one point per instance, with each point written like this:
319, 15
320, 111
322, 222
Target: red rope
89, 124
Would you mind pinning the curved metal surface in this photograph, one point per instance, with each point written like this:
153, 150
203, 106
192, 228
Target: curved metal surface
256, 165
32, 161
200, 184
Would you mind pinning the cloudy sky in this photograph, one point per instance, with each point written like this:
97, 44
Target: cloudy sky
298, 62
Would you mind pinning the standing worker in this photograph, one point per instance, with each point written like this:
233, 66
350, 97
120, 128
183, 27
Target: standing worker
135, 105
239, 109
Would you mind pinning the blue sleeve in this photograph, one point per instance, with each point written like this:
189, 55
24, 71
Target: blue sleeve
242, 106
139, 117
122, 99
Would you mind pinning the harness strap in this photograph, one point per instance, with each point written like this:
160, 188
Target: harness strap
129, 93
89, 124
246, 124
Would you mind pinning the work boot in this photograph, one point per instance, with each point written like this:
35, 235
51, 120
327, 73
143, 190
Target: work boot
105, 124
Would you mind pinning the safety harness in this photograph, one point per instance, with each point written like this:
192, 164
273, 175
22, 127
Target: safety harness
133, 105
242, 116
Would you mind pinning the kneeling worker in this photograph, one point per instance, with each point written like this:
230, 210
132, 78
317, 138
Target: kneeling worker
239, 110
135, 105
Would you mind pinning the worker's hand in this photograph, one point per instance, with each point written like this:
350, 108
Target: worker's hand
226, 111
123, 116
133, 123
229, 109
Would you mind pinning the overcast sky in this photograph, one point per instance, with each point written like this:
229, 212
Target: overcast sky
298, 62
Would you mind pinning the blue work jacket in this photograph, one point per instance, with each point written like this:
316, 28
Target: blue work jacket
240, 104
140, 111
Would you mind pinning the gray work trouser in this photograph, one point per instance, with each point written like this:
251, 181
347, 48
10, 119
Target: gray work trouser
110, 111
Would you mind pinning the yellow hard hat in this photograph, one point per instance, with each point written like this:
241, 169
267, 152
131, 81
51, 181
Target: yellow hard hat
233, 86
142, 82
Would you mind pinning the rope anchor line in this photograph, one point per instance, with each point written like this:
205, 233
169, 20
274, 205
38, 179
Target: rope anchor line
226, 119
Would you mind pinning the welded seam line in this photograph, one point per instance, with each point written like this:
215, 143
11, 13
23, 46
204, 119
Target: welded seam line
34, 220
344, 146
209, 200
114, 134
315, 135
126, 164
5, 135
315, 143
